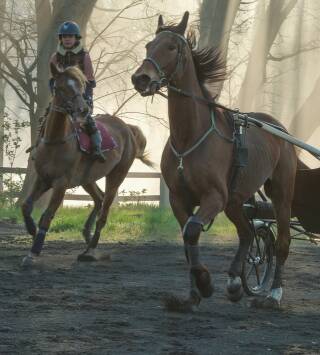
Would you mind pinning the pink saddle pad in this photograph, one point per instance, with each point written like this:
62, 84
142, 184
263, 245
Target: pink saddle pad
108, 142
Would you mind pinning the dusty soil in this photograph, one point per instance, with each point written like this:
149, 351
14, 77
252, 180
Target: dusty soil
114, 306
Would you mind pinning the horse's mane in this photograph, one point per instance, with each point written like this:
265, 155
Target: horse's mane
76, 73
209, 63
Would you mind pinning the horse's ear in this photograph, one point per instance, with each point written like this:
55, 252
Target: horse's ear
54, 70
181, 28
160, 22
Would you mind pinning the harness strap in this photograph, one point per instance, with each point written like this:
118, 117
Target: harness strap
156, 65
213, 128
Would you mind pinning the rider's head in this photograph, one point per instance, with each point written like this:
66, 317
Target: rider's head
69, 34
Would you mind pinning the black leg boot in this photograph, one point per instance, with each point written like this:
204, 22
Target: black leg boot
95, 137
96, 146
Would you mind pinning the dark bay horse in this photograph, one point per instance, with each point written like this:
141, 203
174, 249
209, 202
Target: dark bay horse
197, 161
60, 164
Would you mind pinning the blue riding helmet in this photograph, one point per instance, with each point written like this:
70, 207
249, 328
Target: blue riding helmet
69, 28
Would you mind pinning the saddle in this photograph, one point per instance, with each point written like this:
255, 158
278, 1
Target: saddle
84, 142
108, 143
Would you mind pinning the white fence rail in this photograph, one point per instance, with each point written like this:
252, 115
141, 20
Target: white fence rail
163, 198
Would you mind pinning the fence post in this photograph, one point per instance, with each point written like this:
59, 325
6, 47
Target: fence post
164, 194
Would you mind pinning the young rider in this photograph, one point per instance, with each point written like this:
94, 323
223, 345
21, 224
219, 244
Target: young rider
69, 53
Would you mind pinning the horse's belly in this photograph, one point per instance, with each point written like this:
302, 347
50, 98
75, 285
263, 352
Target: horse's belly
260, 166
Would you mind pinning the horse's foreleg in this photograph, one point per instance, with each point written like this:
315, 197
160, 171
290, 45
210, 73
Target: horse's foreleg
236, 215
192, 225
97, 195
113, 181
182, 210
38, 189
210, 206
44, 224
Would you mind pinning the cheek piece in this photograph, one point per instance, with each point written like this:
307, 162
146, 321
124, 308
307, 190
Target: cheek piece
163, 80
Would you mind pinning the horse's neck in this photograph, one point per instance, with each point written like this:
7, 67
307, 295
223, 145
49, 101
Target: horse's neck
57, 126
188, 118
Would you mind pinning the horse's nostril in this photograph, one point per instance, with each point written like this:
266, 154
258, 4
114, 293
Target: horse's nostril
141, 81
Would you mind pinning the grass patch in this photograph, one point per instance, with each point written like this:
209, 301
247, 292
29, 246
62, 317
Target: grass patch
129, 223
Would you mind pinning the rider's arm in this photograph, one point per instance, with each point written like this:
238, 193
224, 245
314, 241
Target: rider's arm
91, 83
88, 70
53, 60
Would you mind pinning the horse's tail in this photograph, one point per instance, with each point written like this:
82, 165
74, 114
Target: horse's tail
140, 142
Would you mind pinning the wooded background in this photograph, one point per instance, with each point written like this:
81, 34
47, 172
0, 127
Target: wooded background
272, 48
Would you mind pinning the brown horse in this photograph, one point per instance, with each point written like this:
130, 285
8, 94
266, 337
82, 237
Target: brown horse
197, 161
60, 165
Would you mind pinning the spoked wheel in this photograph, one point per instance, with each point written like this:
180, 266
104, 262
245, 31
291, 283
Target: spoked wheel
258, 268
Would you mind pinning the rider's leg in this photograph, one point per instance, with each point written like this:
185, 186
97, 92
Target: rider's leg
95, 137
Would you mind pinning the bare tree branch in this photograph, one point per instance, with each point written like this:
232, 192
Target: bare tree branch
132, 4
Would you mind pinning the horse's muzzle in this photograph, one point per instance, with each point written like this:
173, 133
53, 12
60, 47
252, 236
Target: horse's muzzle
144, 84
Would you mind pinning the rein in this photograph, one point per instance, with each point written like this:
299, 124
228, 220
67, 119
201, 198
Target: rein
164, 81
66, 108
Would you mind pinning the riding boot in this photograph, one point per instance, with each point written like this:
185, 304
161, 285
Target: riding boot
96, 146
95, 137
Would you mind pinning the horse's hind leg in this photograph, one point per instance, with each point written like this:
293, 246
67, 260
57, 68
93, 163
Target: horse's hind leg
282, 207
281, 191
44, 223
38, 189
97, 195
113, 181
234, 212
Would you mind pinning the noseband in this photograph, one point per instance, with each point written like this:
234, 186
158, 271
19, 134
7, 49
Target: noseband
163, 80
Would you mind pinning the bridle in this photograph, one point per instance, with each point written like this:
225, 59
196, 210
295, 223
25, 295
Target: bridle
163, 80
67, 102
66, 107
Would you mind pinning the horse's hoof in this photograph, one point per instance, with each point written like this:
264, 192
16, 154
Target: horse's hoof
203, 281
27, 261
234, 289
179, 305
207, 290
266, 303
87, 258
235, 296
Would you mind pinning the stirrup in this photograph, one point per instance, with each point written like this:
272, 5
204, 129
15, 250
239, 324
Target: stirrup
98, 155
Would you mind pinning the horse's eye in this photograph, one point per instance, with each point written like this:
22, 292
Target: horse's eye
172, 47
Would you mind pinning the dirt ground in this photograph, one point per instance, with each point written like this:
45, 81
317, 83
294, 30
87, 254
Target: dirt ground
114, 306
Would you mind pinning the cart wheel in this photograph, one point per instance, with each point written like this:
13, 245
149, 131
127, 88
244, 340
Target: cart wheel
258, 267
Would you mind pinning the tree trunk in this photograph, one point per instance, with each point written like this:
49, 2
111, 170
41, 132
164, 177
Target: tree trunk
2, 98
216, 20
268, 24
306, 120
